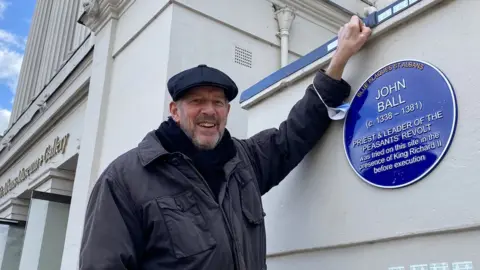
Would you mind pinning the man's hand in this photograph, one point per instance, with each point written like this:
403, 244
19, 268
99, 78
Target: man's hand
351, 37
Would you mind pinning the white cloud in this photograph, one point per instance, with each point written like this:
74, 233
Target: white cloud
11, 53
4, 118
10, 64
11, 58
3, 7
12, 40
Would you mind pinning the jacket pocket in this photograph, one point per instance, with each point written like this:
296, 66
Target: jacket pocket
186, 224
251, 202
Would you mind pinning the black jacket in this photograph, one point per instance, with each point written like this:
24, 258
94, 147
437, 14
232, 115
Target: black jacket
152, 210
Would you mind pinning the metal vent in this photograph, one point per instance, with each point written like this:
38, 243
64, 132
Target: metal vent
243, 57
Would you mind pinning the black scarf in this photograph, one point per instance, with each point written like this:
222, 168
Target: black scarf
208, 162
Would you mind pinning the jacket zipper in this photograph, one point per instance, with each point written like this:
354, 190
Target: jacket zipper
229, 228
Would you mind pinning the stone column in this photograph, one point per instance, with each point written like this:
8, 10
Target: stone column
59, 40
45, 232
32, 57
47, 221
101, 17
13, 214
88, 160
11, 245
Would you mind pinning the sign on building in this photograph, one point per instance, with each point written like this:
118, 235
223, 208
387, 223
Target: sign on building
400, 124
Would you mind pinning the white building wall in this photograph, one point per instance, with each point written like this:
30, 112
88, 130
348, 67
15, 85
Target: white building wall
306, 36
450, 249
137, 95
137, 17
324, 217
256, 18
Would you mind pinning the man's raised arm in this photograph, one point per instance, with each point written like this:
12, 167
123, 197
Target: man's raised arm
275, 152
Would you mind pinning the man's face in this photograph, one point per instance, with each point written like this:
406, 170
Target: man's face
202, 114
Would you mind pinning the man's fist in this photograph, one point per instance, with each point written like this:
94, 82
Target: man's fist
351, 37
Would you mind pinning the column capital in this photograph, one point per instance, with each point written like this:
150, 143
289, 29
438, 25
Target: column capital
285, 17
15, 208
54, 181
98, 12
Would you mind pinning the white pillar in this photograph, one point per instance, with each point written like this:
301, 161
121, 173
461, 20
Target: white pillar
11, 245
59, 40
45, 232
13, 214
101, 18
104, 27
89, 155
284, 18
32, 58
14, 211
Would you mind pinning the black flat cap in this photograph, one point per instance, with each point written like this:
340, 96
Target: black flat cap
201, 75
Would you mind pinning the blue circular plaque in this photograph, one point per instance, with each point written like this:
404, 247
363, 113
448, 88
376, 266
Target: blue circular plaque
400, 124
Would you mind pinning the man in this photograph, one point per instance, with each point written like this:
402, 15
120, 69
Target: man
189, 196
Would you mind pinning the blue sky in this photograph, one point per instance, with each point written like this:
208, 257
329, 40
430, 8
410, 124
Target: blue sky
15, 19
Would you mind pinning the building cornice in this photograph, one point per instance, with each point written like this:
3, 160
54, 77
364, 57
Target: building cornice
47, 107
318, 12
98, 12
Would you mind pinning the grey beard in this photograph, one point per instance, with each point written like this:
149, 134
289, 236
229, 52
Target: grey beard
197, 144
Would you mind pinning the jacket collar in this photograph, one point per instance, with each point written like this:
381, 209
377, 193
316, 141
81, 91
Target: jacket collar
150, 149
